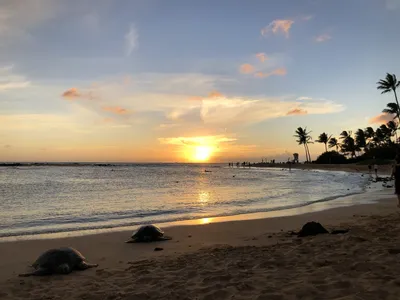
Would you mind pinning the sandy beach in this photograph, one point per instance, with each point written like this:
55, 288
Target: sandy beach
251, 259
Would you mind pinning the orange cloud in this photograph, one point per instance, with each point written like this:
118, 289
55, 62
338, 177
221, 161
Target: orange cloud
262, 56
71, 93
115, 110
278, 26
297, 111
215, 94
195, 98
381, 118
277, 72
323, 38
246, 69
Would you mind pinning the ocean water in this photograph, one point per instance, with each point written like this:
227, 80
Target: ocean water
49, 199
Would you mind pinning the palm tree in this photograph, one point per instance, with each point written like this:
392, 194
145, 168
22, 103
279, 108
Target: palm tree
324, 139
369, 136
361, 140
387, 133
348, 145
393, 127
388, 85
333, 142
391, 108
304, 138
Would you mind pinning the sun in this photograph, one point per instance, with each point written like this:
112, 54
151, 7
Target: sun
202, 153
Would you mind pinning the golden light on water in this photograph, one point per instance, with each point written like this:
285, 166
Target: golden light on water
206, 220
204, 197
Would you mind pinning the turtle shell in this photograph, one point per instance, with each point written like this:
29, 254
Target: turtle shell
148, 233
52, 258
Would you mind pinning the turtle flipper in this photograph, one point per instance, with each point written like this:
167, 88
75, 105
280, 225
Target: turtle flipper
131, 241
38, 272
164, 238
84, 265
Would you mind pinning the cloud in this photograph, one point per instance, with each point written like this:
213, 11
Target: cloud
297, 111
215, 94
262, 56
131, 40
276, 72
307, 18
304, 98
17, 18
392, 4
278, 27
381, 118
246, 69
71, 93
115, 110
322, 38
9, 81
211, 140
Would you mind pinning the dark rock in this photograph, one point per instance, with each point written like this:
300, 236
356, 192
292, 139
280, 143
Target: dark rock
312, 228
158, 249
394, 251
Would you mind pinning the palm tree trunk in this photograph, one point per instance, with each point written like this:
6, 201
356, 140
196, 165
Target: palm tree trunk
308, 151
305, 149
326, 149
398, 107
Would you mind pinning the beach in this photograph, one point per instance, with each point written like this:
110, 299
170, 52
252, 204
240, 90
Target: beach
248, 259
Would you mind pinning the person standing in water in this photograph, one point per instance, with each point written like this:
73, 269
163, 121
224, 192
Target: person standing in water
396, 175
376, 170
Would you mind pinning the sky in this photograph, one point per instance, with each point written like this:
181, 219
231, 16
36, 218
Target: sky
189, 81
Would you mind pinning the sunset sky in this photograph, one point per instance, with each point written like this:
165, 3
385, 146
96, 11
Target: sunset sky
188, 80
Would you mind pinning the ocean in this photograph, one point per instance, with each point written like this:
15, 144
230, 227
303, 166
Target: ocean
54, 199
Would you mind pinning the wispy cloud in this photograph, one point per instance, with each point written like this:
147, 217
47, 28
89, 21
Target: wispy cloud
297, 111
307, 17
115, 110
392, 4
131, 40
72, 93
276, 72
303, 98
17, 18
278, 27
9, 80
323, 38
198, 140
262, 56
246, 69
381, 118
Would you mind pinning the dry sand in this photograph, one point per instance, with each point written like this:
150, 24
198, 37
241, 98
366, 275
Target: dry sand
252, 259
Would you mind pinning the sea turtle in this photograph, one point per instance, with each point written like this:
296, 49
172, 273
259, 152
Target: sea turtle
315, 228
62, 260
148, 233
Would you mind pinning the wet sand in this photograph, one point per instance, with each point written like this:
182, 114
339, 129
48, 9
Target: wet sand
251, 259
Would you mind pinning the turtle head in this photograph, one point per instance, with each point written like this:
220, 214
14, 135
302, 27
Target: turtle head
63, 269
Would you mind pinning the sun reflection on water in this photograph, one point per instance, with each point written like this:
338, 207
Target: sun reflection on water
206, 220
204, 197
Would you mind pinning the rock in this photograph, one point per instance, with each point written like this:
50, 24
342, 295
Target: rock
394, 251
311, 228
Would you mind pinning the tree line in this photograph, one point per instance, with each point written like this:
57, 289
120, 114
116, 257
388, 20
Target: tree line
366, 140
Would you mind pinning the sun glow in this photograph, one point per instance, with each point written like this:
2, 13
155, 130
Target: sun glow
202, 153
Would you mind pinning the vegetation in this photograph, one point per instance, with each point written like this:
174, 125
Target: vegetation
304, 138
365, 145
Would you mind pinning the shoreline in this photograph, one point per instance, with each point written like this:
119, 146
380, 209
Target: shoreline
371, 192
201, 249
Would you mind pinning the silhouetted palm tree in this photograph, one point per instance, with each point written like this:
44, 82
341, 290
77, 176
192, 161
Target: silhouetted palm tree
348, 145
304, 138
388, 85
324, 139
391, 108
393, 127
333, 142
360, 139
